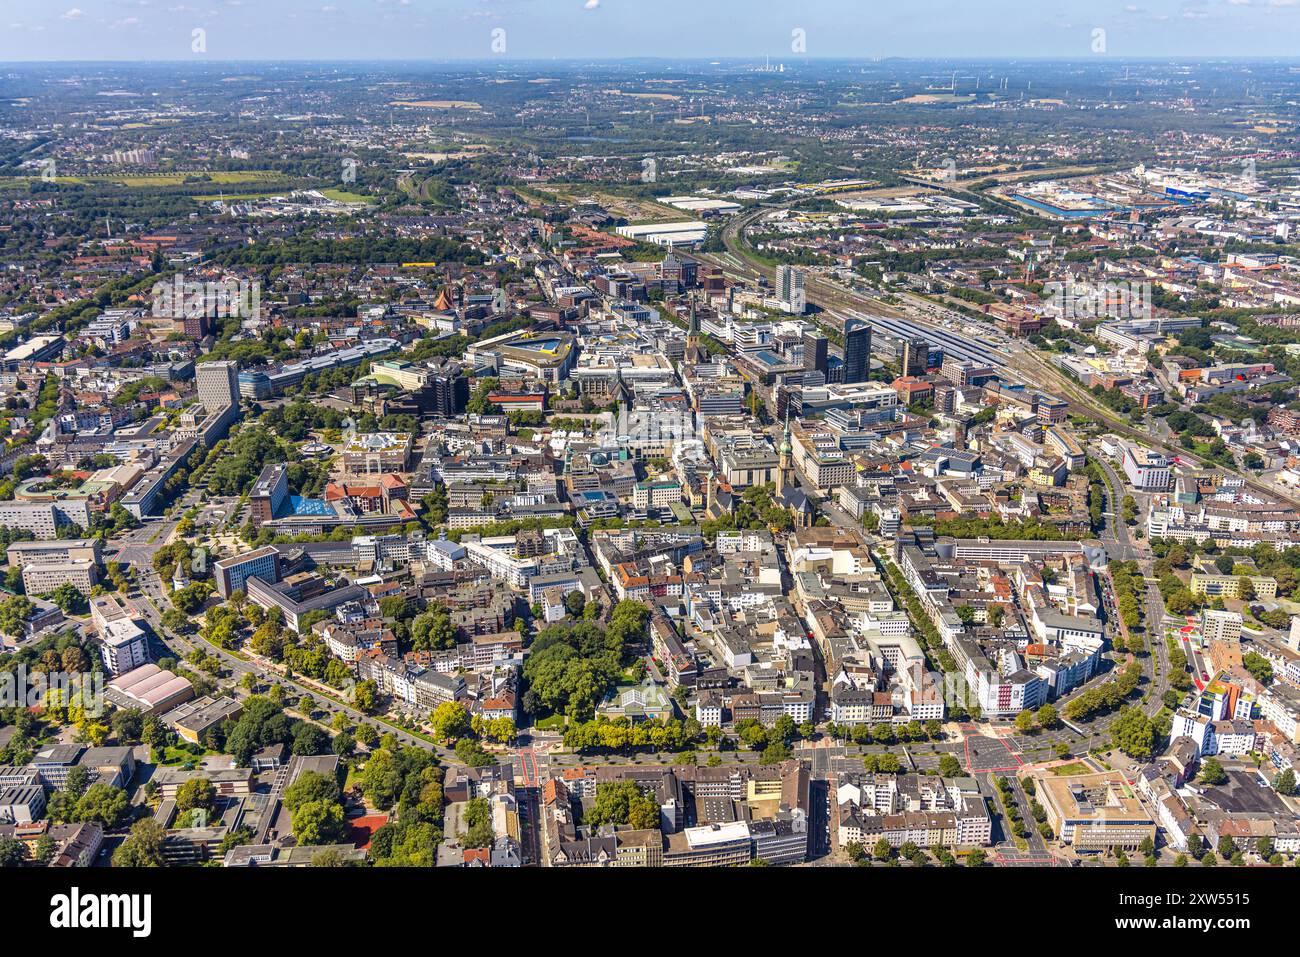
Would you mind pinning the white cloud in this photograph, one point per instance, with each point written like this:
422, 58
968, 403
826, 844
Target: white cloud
76, 13
591, 4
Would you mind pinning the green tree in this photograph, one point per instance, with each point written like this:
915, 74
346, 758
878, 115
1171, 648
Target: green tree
1284, 782
477, 818
14, 612
13, 853
318, 822
450, 720
777, 752
262, 724
311, 786
367, 735
382, 778
79, 778
309, 739
623, 802
344, 744
46, 848
1260, 668
143, 847
433, 630
1048, 717
364, 696
127, 725
1133, 733
1212, 772
195, 793
104, 805
69, 599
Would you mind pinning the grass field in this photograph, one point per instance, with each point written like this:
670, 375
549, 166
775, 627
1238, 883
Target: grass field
1076, 767
173, 755
145, 180
343, 196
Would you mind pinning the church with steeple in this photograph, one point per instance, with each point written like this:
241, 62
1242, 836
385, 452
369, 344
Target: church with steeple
695, 353
621, 393
443, 303
789, 494
785, 472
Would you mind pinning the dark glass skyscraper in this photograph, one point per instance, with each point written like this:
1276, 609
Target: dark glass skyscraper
916, 357
814, 353
857, 351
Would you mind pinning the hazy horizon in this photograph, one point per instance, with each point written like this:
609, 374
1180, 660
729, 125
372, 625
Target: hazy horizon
702, 60
51, 31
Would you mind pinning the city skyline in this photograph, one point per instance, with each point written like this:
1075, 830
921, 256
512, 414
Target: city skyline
831, 438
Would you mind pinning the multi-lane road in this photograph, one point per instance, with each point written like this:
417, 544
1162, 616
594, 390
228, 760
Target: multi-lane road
1122, 546
1119, 540
152, 599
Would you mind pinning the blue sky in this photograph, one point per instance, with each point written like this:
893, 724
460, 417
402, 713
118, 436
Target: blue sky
463, 29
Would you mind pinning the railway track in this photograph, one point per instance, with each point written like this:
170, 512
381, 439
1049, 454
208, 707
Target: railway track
1026, 364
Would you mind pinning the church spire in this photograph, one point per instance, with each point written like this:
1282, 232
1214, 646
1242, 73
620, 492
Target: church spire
623, 395
693, 351
785, 471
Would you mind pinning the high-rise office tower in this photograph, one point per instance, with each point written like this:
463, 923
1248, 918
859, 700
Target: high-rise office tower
217, 384
448, 390
814, 353
916, 357
789, 289
268, 494
857, 351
